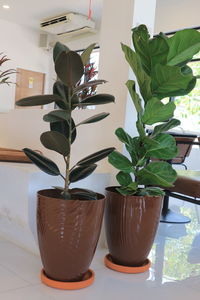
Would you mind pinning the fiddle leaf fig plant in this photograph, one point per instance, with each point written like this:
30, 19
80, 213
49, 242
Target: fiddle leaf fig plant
69, 67
161, 71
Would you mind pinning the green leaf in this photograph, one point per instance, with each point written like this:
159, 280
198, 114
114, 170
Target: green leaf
156, 111
183, 45
135, 97
63, 128
125, 192
55, 141
42, 162
123, 136
132, 186
143, 79
157, 173
81, 172
61, 90
57, 116
69, 68
85, 56
124, 179
150, 191
38, 100
58, 49
88, 84
140, 38
83, 194
97, 100
164, 149
95, 157
165, 127
168, 80
159, 49
94, 119
120, 162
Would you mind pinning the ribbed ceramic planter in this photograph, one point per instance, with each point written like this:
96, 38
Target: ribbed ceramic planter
131, 223
68, 232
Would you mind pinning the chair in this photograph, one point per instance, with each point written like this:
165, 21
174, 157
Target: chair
187, 185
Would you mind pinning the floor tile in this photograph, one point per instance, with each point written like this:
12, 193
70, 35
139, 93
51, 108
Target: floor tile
10, 281
19, 261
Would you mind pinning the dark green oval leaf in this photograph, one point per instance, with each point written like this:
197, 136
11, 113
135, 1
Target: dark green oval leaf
81, 172
58, 49
38, 100
63, 128
57, 116
61, 90
97, 100
42, 162
55, 141
95, 157
69, 68
94, 119
83, 194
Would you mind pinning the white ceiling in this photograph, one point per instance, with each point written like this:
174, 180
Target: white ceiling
31, 12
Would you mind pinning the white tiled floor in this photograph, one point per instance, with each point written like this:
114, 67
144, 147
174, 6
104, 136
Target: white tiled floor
175, 272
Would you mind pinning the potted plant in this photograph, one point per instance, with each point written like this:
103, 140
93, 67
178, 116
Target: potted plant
133, 208
5, 75
68, 219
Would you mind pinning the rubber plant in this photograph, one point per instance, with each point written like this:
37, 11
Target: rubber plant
69, 67
68, 219
133, 208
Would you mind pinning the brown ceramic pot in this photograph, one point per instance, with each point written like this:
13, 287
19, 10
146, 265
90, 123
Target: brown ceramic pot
131, 223
68, 232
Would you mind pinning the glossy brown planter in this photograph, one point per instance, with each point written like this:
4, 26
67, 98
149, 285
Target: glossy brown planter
131, 223
68, 232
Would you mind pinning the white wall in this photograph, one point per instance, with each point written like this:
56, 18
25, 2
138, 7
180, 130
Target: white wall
176, 14
20, 44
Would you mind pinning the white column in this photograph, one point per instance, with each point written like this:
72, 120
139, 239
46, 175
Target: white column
118, 17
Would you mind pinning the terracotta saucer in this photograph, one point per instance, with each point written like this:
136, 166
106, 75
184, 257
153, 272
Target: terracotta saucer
125, 269
76, 285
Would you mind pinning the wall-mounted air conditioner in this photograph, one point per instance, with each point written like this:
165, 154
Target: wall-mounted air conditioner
68, 25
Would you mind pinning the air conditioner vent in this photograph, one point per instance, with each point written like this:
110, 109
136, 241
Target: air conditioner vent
53, 21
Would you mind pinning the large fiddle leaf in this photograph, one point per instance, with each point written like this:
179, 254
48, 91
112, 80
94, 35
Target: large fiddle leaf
143, 79
156, 111
120, 162
184, 45
167, 81
157, 174
165, 126
164, 147
135, 97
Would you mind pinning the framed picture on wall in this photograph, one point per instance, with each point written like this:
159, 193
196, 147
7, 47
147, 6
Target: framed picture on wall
28, 83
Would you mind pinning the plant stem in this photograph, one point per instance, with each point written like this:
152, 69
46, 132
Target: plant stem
67, 161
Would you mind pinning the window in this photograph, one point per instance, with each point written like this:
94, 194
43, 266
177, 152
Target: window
188, 106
